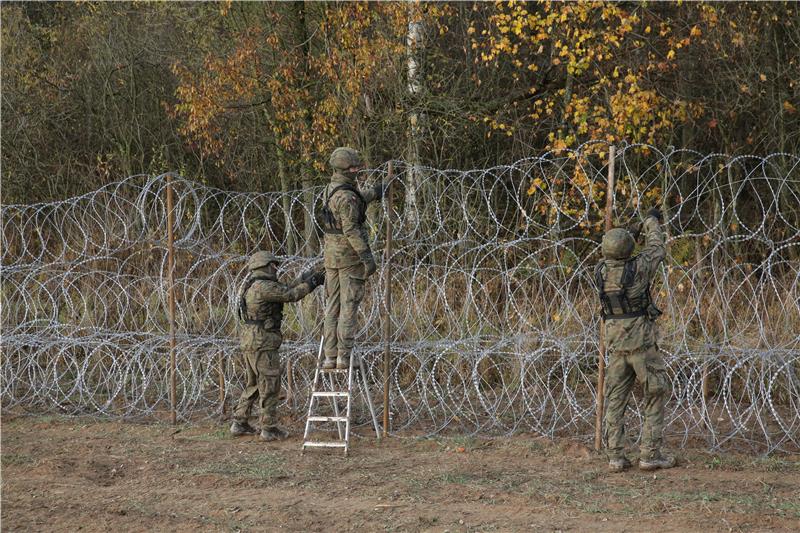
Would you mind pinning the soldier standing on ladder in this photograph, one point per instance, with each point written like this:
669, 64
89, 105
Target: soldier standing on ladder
348, 258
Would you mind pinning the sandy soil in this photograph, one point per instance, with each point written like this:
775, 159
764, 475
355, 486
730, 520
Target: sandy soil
78, 475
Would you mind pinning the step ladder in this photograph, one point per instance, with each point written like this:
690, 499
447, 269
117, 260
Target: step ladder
324, 386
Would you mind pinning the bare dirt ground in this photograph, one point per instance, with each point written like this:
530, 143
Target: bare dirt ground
78, 475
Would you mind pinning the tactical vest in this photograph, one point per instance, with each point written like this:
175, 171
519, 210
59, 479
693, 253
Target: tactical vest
329, 222
273, 310
617, 303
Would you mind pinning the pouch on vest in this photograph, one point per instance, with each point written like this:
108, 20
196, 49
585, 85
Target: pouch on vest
616, 304
329, 223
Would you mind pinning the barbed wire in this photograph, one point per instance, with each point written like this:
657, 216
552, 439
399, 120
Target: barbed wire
494, 323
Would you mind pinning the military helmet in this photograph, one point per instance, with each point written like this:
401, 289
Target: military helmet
618, 243
343, 158
260, 259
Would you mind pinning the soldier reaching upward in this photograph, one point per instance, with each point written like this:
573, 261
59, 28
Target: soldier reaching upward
348, 258
630, 333
261, 309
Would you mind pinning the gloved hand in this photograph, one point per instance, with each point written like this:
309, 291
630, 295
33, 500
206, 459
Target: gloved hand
306, 275
655, 213
380, 189
635, 230
317, 279
369, 263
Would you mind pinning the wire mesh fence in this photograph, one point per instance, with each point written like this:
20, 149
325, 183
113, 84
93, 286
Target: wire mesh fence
494, 315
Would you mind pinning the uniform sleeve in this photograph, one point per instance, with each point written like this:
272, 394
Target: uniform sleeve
654, 249
346, 211
276, 292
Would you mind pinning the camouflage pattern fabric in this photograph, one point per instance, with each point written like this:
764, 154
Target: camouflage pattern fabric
646, 366
344, 250
344, 269
635, 333
344, 290
260, 342
633, 353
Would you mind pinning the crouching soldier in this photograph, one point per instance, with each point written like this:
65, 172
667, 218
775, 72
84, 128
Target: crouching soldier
623, 283
261, 310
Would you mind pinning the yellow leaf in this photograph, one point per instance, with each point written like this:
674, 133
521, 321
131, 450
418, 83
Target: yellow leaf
787, 105
762, 77
671, 54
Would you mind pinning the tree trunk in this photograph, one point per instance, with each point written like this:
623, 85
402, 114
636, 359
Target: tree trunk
415, 43
286, 203
301, 40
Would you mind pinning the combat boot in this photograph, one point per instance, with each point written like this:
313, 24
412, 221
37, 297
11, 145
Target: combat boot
619, 464
343, 362
239, 429
271, 433
329, 363
659, 461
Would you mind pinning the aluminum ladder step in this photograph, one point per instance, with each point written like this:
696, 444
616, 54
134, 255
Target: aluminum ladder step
330, 394
357, 372
327, 419
324, 444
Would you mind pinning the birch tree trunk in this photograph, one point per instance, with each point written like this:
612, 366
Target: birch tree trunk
415, 43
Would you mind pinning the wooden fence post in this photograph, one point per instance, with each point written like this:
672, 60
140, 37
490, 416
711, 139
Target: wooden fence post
387, 331
601, 362
171, 292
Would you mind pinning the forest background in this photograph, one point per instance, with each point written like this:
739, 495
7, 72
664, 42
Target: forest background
253, 96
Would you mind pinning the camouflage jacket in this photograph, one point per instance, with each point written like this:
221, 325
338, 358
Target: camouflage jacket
344, 250
263, 310
626, 334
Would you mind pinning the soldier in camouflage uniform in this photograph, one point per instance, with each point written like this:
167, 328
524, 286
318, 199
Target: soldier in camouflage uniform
630, 334
348, 258
261, 309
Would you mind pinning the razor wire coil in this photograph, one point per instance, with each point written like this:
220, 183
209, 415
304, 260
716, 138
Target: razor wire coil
494, 317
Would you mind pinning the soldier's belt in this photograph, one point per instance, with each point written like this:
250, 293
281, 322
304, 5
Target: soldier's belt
634, 314
260, 324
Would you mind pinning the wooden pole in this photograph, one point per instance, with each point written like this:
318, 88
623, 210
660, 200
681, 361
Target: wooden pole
221, 370
289, 385
387, 353
601, 362
171, 289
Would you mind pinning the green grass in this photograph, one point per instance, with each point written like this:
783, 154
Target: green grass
16, 459
212, 436
264, 467
738, 463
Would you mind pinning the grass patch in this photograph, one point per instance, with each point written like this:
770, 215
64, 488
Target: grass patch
456, 479
264, 467
212, 436
455, 443
16, 459
737, 463
790, 508
776, 464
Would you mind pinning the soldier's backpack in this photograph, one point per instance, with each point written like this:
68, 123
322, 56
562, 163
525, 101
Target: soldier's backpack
329, 223
274, 312
617, 303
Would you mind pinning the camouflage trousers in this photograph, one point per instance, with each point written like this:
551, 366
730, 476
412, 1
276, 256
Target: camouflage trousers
263, 384
344, 290
624, 367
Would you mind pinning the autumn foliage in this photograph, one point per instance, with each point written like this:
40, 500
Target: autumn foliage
255, 95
